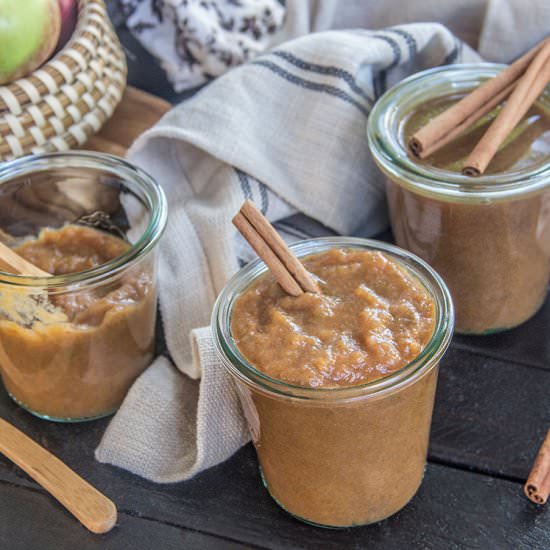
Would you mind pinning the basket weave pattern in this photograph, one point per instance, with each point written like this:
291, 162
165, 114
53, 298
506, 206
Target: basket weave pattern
69, 98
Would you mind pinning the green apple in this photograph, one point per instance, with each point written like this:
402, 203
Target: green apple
29, 31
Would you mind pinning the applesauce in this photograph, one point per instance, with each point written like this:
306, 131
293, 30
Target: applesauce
488, 237
75, 355
338, 388
370, 319
72, 344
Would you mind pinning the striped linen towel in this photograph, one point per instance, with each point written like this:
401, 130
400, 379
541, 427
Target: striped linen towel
288, 131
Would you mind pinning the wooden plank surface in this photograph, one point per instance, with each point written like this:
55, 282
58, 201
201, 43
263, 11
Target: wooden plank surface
490, 415
528, 344
453, 509
39, 527
489, 418
492, 408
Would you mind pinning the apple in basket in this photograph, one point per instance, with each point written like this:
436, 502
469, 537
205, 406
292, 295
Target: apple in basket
29, 32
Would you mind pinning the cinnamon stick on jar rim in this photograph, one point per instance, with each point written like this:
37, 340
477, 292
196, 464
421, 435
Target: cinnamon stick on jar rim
469, 121
444, 123
537, 487
529, 87
270, 247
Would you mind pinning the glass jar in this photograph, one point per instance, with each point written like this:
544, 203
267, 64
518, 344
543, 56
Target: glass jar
488, 237
347, 456
51, 365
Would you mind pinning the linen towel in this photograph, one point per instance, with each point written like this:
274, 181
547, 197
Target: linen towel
288, 131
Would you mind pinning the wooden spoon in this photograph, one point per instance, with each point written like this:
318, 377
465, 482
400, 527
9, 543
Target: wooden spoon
11, 262
93, 509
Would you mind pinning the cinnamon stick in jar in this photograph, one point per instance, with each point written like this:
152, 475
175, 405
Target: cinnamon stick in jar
436, 130
529, 87
469, 121
270, 247
537, 487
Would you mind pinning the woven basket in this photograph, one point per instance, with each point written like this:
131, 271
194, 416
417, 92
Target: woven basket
68, 99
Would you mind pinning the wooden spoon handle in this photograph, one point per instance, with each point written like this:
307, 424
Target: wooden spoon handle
93, 509
11, 262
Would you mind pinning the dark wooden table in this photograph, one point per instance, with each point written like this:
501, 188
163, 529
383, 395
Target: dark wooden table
492, 411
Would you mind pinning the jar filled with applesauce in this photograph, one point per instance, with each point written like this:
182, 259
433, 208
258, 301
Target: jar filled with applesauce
73, 342
338, 387
487, 236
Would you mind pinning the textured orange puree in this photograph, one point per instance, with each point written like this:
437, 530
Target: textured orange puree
371, 319
74, 354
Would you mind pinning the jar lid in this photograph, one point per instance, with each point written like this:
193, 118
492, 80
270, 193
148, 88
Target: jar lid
386, 139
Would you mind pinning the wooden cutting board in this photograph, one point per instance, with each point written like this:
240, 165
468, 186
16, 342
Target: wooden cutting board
137, 112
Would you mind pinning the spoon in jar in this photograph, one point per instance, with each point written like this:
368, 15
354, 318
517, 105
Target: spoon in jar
20, 306
11, 262
93, 509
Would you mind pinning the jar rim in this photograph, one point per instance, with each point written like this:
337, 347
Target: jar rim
394, 160
155, 202
239, 367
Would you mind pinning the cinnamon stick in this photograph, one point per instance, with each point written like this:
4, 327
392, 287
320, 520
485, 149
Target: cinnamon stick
537, 487
530, 86
270, 247
441, 125
469, 121
277, 268
276, 243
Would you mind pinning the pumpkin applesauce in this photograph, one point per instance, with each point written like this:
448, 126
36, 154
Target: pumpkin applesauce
346, 462
370, 319
487, 236
74, 354
494, 255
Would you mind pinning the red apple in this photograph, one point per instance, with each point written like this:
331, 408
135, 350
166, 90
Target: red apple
29, 32
69, 15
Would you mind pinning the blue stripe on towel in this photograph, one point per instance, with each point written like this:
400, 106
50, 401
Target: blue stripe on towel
325, 70
309, 85
264, 197
394, 45
247, 190
409, 39
379, 81
454, 54
245, 184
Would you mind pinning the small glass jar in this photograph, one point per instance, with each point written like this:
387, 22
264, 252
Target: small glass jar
488, 237
346, 456
54, 367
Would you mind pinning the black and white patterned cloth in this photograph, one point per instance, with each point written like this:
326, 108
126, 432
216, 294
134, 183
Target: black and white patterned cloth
196, 40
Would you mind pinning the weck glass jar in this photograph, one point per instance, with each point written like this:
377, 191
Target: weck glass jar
339, 457
488, 237
72, 344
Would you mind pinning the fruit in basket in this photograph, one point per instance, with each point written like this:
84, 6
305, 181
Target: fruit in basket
69, 15
29, 32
